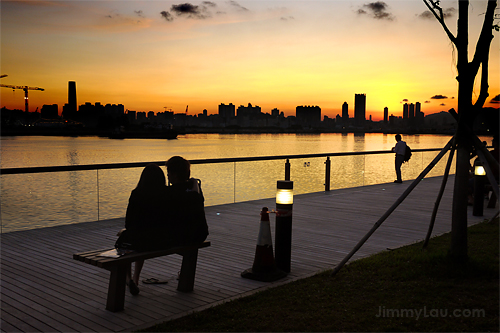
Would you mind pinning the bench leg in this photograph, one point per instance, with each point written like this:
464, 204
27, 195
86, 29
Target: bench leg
116, 289
188, 271
493, 200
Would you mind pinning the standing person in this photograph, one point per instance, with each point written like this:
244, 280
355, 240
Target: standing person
399, 149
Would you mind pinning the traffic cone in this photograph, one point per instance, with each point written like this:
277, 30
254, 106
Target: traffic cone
264, 267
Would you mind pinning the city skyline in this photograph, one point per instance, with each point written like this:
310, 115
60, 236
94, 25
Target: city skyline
275, 54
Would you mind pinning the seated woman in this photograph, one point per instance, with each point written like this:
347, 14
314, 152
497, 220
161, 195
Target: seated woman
145, 215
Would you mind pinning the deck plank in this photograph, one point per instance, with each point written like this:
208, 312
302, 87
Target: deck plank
44, 289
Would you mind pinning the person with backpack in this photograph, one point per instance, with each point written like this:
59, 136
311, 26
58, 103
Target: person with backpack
400, 150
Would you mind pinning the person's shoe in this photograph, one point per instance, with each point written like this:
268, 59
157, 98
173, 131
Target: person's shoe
134, 290
398, 181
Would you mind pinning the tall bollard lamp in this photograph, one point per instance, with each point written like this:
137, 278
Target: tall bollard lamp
479, 180
283, 234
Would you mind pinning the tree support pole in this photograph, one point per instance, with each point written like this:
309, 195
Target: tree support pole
440, 195
394, 206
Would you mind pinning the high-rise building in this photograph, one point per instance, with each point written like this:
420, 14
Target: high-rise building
360, 109
72, 95
309, 115
405, 111
345, 113
248, 111
70, 108
417, 108
411, 112
386, 115
227, 111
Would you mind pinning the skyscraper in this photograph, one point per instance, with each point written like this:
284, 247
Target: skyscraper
386, 115
405, 111
345, 113
70, 108
411, 113
360, 109
72, 96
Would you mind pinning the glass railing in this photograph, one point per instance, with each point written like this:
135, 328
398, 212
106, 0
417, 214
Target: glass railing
49, 196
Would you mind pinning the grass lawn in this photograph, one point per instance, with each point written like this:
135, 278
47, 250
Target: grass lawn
407, 289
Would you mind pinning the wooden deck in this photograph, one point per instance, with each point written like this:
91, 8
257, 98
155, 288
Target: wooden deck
43, 289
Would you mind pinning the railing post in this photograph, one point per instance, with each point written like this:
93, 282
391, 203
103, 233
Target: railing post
287, 169
328, 165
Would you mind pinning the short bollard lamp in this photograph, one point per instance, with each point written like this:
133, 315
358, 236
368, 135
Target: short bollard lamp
283, 234
479, 169
479, 180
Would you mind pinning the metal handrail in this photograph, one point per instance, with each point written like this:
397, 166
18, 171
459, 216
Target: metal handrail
61, 168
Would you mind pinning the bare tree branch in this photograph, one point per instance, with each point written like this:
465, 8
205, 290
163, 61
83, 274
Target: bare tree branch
435, 6
486, 35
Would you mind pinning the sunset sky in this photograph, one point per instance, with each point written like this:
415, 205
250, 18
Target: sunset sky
148, 55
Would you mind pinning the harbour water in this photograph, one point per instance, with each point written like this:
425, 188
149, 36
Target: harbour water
47, 199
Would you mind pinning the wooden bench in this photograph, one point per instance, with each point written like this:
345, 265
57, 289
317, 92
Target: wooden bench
118, 268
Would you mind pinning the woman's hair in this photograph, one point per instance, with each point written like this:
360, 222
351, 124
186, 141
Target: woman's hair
180, 167
152, 178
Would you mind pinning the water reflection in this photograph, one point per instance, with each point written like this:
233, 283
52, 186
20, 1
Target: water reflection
46, 199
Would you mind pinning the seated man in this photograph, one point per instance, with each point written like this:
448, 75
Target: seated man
186, 203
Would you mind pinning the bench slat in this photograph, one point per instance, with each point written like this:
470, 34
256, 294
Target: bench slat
94, 258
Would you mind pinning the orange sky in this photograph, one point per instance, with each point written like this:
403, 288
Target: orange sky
274, 54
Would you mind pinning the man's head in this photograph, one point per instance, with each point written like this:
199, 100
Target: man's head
178, 169
398, 137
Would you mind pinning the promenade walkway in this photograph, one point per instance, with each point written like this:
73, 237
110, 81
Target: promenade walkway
43, 289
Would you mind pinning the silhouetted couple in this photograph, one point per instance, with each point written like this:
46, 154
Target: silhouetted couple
160, 216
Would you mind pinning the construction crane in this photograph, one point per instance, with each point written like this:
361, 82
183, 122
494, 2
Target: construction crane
25, 88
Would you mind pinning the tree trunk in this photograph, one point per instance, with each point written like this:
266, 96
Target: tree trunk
458, 249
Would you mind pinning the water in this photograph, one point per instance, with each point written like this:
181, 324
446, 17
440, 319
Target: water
47, 199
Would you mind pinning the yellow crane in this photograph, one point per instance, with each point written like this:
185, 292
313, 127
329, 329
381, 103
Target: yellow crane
25, 88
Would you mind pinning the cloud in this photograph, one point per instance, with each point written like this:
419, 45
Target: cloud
209, 4
203, 11
405, 100
442, 104
439, 97
191, 11
427, 101
167, 16
495, 100
447, 13
287, 18
377, 10
238, 6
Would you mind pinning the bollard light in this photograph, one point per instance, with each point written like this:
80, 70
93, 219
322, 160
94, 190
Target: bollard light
284, 196
479, 170
479, 181
283, 234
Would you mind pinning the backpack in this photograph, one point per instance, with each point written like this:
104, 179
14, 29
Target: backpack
407, 154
